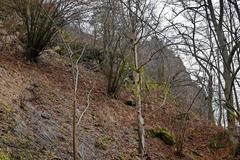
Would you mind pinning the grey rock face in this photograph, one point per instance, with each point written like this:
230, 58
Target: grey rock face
169, 68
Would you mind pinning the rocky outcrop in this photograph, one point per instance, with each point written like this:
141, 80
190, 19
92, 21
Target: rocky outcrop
167, 67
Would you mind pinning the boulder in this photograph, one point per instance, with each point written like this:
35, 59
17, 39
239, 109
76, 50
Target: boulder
162, 134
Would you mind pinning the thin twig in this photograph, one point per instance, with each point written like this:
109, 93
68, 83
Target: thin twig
88, 104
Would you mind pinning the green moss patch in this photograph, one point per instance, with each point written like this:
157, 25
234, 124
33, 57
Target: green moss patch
162, 134
4, 156
103, 142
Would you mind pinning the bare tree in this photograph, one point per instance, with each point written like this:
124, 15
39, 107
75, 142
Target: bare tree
200, 47
222, 54
75, 86
39, 28
142, 23
116, 46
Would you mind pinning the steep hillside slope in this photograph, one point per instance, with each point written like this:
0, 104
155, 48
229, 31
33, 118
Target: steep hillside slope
35, 118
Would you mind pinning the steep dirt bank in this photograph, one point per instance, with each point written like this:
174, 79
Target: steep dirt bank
35, 118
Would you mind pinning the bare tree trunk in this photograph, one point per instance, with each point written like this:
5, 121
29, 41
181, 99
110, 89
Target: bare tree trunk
221, 114
220, 103
141, 131
227, 60
228, 94
236, 97
210, 98
224, 120
74, 128
134, 41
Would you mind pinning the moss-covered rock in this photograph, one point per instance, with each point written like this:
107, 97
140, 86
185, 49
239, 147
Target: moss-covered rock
162, 134
103, 142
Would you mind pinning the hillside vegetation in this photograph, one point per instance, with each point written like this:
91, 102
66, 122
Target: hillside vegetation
35, 110
119, 80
